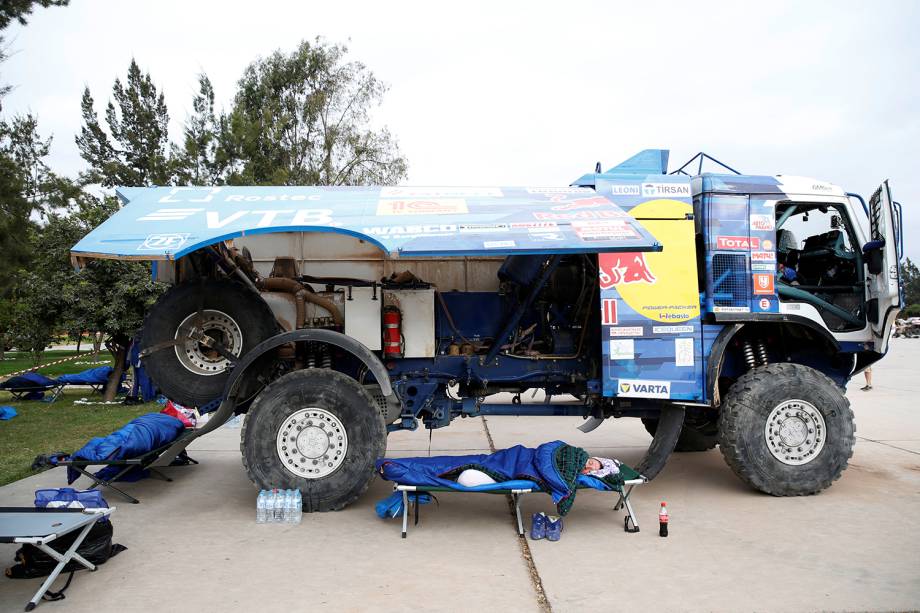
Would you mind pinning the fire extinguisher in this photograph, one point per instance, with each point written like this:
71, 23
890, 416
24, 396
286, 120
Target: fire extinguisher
392, 332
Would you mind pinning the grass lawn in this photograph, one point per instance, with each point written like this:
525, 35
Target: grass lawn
62, 425
20, 360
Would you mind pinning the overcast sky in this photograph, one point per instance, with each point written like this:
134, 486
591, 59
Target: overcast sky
534, 93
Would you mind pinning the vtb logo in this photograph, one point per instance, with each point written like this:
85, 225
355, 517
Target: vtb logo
617, 268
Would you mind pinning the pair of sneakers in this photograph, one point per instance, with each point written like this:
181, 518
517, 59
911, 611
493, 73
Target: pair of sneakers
545, 526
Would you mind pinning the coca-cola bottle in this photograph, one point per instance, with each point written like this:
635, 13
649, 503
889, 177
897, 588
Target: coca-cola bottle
663, 520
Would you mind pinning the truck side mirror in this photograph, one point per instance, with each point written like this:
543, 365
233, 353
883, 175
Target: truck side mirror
874, 256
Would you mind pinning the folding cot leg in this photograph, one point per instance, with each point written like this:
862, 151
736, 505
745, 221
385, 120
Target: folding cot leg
630, 515
517, 513
405, 526
63, 559
104, 483
619, 504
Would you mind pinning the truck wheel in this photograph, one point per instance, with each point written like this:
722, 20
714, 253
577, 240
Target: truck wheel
315, 430
786, 430
695, 435
190, 373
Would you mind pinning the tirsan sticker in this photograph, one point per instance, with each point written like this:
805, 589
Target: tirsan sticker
762, 223
627, 331
609, 311
497, 244
737, 243
622, 349
666, 190
438, 206
617, 268
763, 284
440, 192
583, 203
625, 190
672, 329
163, 242
731, 309
763, 256
637, 388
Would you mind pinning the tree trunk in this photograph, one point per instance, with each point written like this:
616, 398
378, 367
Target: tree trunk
79, 339
121, 353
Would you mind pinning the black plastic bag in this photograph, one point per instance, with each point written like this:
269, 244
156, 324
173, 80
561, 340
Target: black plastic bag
97, 548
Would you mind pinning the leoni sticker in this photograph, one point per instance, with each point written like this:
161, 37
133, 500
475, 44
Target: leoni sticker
625, 190
639, 388
627, 331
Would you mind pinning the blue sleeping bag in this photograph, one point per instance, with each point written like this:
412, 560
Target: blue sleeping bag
140, 435
35, 381
93, 376
539, 465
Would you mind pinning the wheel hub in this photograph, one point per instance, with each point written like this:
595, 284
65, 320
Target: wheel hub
197, 357
312, 443
795, 432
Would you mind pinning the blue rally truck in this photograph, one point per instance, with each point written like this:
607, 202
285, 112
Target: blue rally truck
720, 309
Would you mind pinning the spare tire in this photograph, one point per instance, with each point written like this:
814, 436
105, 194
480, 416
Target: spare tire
230, 313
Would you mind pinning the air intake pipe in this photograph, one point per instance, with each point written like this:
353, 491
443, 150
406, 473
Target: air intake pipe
301, 297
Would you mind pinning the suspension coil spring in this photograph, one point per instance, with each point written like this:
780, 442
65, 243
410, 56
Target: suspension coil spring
763, 356
748, 352
326, 358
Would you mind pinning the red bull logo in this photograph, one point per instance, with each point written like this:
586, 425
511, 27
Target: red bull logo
582, 203
623, 268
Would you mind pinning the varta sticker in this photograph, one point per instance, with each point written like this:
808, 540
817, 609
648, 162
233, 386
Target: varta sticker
627, 331
433, 206
638, 388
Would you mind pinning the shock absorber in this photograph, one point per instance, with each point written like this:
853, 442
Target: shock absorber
326, 361
748, 351
763, 356
392, 332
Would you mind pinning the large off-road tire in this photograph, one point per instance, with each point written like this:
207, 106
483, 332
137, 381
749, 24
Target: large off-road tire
315, 430
696, 435
786, 430
231, 313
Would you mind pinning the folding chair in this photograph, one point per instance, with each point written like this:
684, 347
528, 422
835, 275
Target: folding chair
40, 527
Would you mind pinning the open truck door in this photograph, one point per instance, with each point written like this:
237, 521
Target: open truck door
882, 255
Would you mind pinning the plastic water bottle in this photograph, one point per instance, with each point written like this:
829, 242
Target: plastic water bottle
261, 514
298, 507
663, 520
277, 508
288, 507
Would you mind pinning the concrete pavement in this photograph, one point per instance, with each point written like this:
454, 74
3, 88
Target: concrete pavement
193, 544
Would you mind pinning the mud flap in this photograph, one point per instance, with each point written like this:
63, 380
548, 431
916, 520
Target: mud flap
669, 425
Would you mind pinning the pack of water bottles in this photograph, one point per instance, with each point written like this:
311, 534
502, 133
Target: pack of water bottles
276, 506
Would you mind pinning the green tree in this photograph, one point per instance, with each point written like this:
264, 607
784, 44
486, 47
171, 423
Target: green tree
18, 10
137, 120
297, 119
910, 277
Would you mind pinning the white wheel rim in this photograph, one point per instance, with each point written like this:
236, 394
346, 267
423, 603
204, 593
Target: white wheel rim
199, 359
312, 443
795, 432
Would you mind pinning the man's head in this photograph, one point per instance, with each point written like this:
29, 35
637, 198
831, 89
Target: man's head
591, 465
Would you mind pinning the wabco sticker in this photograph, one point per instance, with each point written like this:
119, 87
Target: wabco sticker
622, 349
637, 388
666, 190
627, 331
763, 256
762, 223
163, 242
737, 243
683, 352
497, 244
731, 309
609, 311
672, 329
763, 284
438, 206
440, 192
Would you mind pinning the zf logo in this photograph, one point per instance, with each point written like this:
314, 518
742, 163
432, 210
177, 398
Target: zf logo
163, 242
